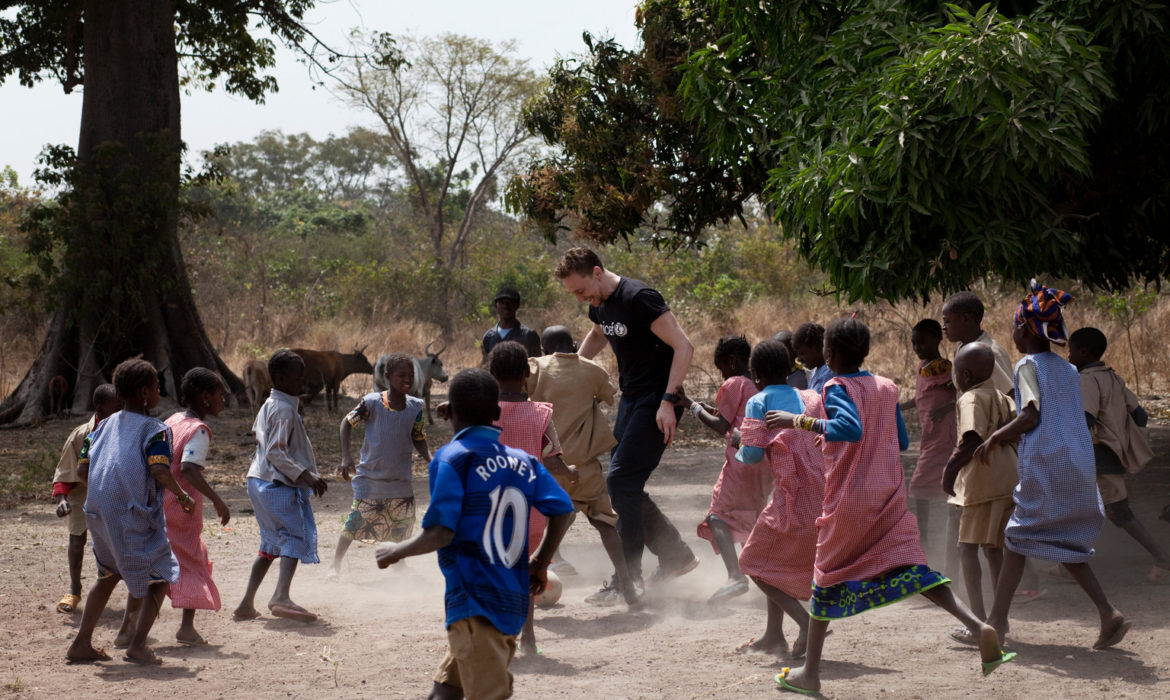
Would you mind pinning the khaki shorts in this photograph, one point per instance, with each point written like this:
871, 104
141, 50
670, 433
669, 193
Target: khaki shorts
983, 523
75, 521
590, 494
1112, 488
477, 659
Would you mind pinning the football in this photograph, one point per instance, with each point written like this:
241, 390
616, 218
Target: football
552, 592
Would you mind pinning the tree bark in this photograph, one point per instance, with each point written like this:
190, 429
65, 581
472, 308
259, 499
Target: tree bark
124, 290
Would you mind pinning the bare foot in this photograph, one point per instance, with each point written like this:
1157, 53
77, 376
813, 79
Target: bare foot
799, 647
1113, 632
989, 648
142, 656
189, 637
86, 653
799, 678
249, 613
764, 645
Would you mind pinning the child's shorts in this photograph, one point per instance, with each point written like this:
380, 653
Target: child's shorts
379, 520
983, 523
590, 494
75, 521
477, 659
1112, 488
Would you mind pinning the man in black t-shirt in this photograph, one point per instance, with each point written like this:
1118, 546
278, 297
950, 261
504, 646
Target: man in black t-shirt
653, 354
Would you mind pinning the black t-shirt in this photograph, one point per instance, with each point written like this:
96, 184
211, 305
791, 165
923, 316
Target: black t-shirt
522, 334
625, 318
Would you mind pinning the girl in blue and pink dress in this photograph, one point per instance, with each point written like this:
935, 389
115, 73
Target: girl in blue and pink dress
868, 553
1058, 512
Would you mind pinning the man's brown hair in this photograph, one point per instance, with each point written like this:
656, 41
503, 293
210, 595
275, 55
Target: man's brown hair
579, 261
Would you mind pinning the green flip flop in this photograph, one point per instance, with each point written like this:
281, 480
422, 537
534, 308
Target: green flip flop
785, 685
1005, 656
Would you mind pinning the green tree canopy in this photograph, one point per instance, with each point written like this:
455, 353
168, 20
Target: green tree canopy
906, 147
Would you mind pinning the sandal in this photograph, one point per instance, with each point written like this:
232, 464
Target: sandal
963, 635
69, 603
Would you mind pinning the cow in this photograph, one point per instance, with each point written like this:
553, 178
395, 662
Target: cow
257, 383
427, 370
325, 369
58, 391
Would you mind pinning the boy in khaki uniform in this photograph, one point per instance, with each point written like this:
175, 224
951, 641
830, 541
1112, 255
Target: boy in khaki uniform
982, 488
576, 387
69, 490
1120, 444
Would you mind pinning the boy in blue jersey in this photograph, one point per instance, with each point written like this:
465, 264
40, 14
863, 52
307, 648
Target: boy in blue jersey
481, 491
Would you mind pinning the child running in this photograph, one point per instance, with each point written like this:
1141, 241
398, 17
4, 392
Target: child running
741, 491
481, 492
1058, 512
808, 342
281, 479
868, 554
780, 552
1121, 445
383, 497
202, 394
934, 400
983, 491
124, 461
576, 387
69, 490
527, 426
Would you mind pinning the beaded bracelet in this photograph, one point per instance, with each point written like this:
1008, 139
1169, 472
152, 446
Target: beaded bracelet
696, 409
804, 422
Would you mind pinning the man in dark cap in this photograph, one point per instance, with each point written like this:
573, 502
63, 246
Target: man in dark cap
506, 301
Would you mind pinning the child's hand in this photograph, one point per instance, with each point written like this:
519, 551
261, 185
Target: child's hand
983, 452
63, 507
222, 510
948, 481
444, 410
778, 419
186, 502
387, 554
572, 474
314, 482
537, 576
345, 468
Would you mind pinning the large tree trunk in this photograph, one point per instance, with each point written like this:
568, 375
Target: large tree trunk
125, 290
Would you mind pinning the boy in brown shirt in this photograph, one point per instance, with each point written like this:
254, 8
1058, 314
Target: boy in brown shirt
1120, 445
982, 489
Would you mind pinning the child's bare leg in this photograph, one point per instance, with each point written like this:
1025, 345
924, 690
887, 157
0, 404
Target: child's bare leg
1113, 623
281, 596
528, 634
612, 542
442, 691
343, 544
794, 609
76, 553
808, 676
973, 579
920, 507
726, 544
951, 561
1121, 515
246, 610
150, 604
187, 633
129, 622
773, 638
989, 649
994, 556
82, 648
1005, 588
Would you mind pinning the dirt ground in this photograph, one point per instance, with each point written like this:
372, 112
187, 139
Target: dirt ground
381, 632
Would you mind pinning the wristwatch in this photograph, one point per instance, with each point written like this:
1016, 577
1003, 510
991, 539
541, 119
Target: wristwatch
669, 397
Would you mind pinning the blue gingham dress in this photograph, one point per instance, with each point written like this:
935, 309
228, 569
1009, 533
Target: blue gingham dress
1058, 512
123, 508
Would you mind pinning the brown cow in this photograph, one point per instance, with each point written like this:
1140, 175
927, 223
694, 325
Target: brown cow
257, 383
325, 369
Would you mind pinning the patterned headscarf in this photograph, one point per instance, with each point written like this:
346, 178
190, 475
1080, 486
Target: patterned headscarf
1040, 311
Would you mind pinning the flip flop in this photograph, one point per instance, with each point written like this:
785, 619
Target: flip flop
192, 643
1027, 595
244, 617
292, 612
1004, 657
102, 656
142, 662
69, 602
962, 635
782, 681
1115, 638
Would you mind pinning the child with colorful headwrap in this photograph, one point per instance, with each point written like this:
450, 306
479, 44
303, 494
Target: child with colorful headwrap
1058, 512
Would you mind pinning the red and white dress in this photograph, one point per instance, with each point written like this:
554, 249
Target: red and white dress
527, 426
742, 490
195, 590
782, 547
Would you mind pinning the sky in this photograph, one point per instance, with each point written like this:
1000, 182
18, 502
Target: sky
543, 30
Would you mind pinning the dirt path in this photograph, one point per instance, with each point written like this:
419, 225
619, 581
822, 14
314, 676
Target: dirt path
381, 633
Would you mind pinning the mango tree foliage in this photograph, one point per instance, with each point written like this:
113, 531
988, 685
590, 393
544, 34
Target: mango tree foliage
906, 147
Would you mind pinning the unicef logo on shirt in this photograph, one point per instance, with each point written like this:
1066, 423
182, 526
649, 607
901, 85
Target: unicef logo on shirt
617, 329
